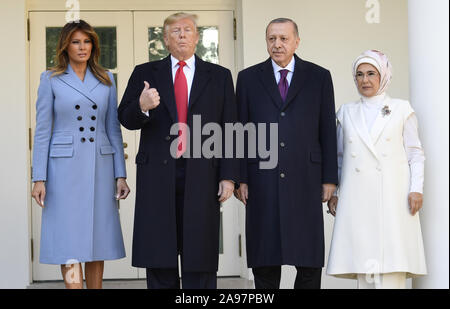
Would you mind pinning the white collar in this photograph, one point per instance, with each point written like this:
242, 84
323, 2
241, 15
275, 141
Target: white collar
290, 67
190, 63
375, 100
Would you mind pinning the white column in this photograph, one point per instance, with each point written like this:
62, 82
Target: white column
14, 154
429, 80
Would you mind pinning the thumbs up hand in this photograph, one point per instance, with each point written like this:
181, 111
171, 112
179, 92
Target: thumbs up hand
149, 98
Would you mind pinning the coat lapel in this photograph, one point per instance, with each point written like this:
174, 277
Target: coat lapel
164, 80
83, 87
382, 120
270, 84
297, 83
359, 122
90, 81
201, 79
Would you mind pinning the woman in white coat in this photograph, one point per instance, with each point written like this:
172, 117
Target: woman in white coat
377, 237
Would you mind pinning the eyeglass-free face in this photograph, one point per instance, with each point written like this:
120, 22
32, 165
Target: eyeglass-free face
181, 39
80, 47
282, 42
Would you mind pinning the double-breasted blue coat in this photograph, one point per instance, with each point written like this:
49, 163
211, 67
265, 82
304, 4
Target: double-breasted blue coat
284, 220
78, 152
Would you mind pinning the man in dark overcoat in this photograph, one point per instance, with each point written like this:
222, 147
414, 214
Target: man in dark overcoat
284, 220
178, 194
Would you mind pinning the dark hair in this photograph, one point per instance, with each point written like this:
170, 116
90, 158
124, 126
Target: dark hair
283, 21
62, 57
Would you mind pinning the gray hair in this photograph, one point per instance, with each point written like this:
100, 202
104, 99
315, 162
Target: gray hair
283, 21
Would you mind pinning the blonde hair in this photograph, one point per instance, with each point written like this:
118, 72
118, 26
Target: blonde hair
62, 57
179, 16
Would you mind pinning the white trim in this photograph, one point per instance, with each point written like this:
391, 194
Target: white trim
134, 5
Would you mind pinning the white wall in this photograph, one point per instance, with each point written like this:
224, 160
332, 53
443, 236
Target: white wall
333, 34
428, 28
14, 188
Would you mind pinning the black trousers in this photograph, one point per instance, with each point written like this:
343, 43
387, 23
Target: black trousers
269, 277
169, 279
158, 278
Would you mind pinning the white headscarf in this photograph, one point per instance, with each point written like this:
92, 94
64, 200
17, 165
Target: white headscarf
381, 62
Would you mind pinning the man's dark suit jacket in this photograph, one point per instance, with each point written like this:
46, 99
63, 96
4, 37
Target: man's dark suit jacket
155, 235
284, 221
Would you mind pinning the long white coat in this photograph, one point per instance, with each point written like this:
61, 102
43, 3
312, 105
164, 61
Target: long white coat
374, 231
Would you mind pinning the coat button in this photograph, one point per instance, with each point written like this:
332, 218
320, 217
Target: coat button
283, 175
353, 155
165, 162
388, 139
282, 145
379, 168
94, 106
83, 139
80, 118
92, 129
93, 118
91, 139
77, 106
81, 129
283, 114
357, 170
167, 138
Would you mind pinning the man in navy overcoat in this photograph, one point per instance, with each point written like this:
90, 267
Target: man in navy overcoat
284, 221
177, 198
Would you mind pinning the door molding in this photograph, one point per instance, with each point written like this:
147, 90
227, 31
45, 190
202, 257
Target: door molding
135, 5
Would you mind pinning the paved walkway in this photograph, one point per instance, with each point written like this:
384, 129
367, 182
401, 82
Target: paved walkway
222, 283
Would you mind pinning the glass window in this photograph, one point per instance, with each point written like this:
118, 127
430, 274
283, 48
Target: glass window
108, 46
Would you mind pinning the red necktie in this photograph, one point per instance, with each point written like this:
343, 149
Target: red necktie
181, 98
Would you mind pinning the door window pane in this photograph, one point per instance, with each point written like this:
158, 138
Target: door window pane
108, 46
52, 36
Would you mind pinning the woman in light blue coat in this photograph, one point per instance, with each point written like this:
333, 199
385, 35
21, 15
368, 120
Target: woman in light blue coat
78, 160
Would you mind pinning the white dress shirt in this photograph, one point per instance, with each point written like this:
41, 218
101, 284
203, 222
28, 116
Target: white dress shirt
189, 71
290, 67
413, 146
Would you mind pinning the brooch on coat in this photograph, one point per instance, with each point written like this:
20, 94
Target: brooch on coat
385, 111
